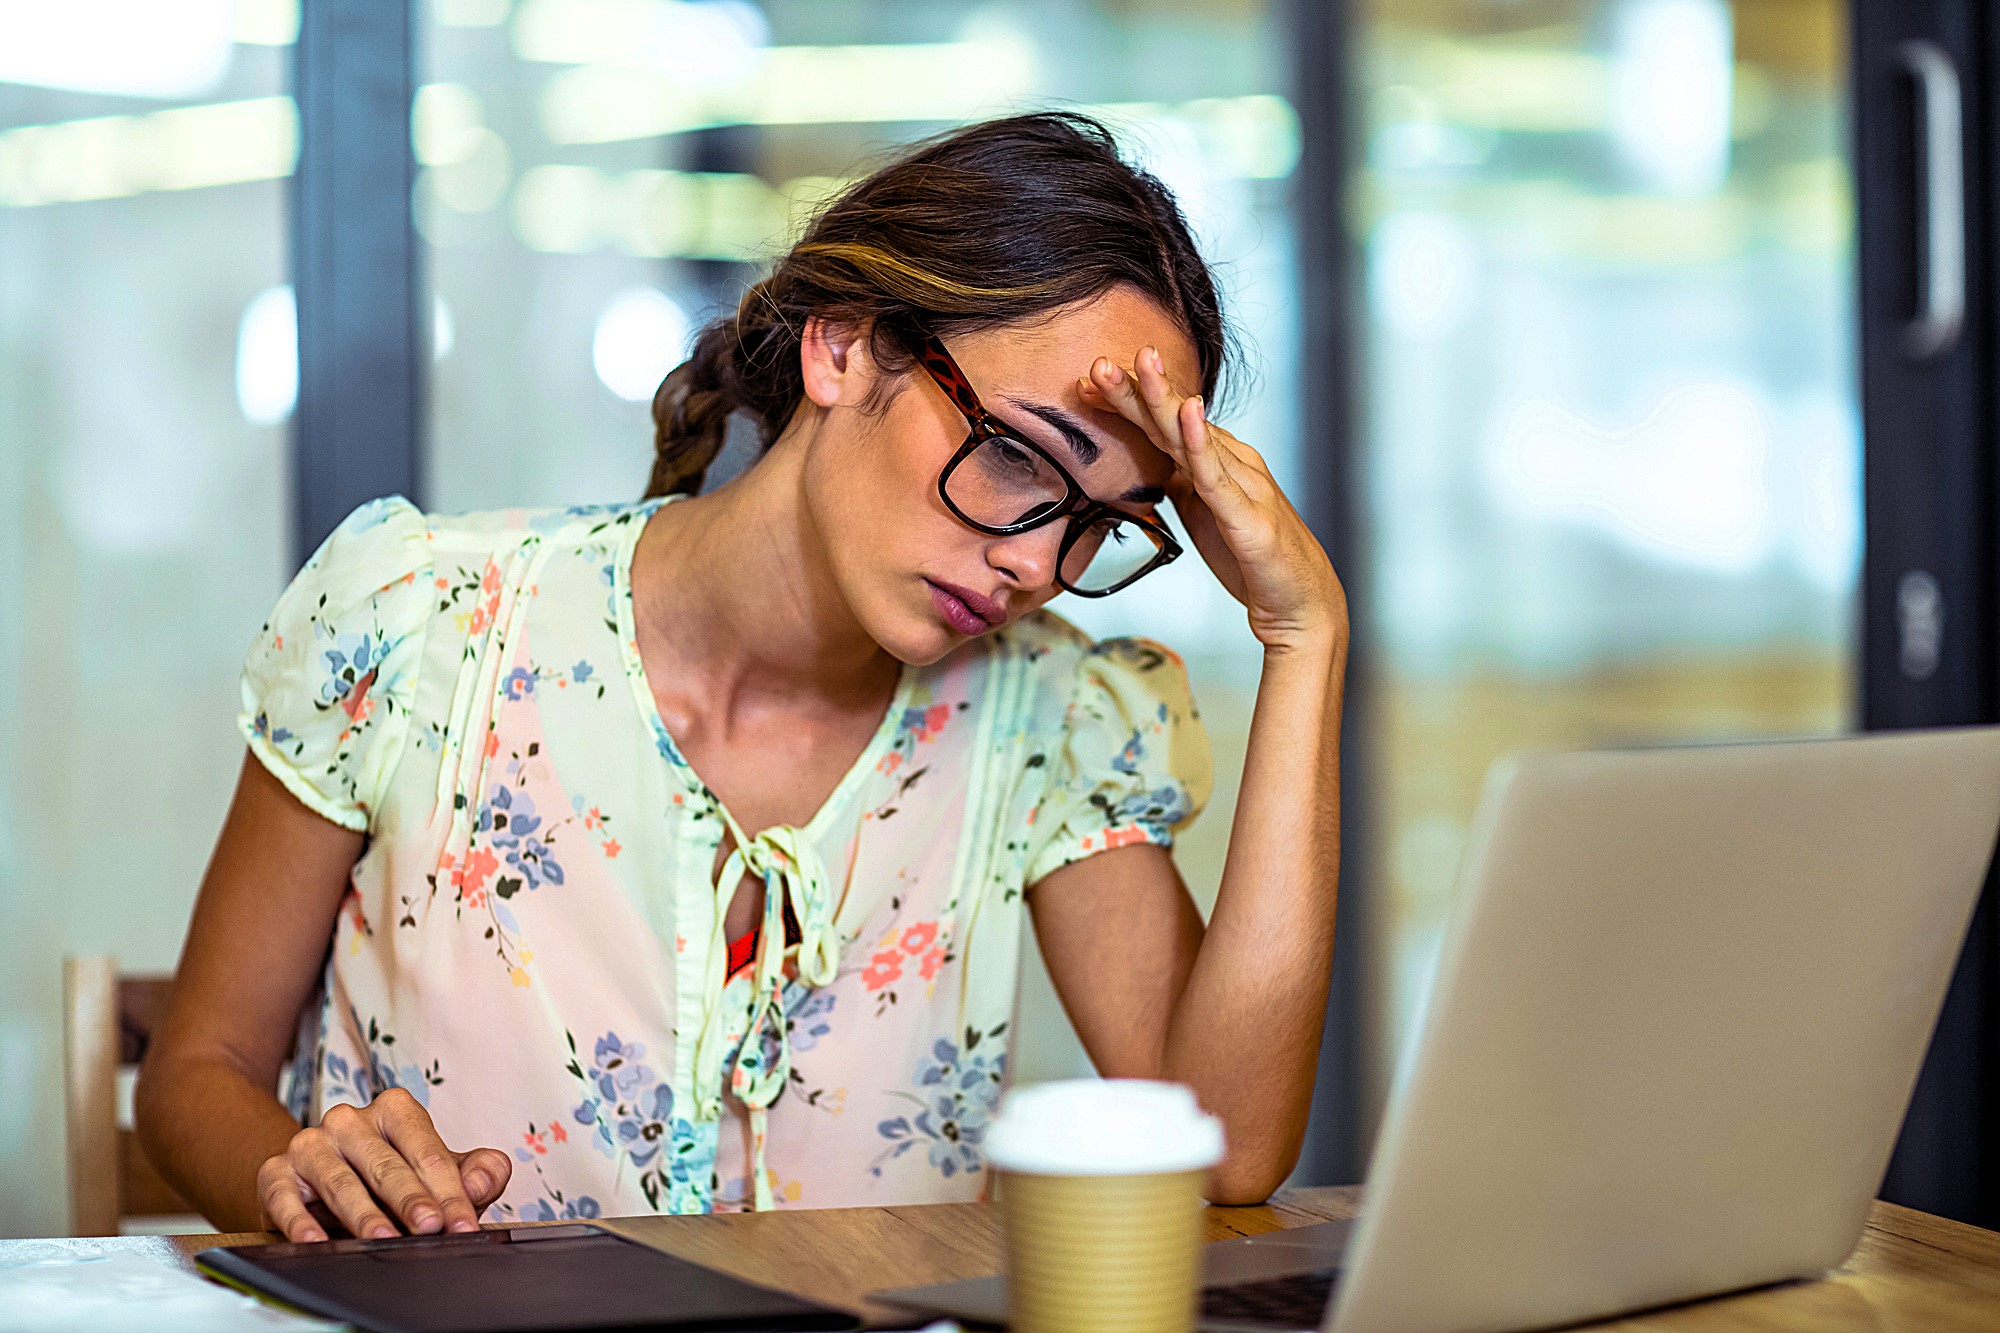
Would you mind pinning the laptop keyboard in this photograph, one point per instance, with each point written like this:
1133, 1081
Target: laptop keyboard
1295, 1301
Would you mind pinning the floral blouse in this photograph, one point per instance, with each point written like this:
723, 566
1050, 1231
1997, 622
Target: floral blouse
532, 940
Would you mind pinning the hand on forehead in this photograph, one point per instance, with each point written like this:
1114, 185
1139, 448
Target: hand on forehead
1027, 375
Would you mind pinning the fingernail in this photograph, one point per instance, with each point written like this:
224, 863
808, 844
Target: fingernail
312, 1234
381, 1231
424, 1220
478, 1182
462, 1225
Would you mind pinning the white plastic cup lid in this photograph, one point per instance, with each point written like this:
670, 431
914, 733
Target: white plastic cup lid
1103, 1127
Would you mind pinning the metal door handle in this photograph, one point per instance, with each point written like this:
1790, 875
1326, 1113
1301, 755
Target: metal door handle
1941, 291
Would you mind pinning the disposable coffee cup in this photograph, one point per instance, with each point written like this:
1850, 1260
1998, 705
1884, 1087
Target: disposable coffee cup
1101, 1185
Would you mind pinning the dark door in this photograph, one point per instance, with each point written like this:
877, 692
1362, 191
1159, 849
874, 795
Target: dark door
1923, 184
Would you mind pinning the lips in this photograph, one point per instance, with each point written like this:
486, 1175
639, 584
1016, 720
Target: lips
966, 611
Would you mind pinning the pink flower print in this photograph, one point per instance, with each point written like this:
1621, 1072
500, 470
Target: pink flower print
477, 868
557, 1132
919, 937
932, 962
593, 817
882, 969
489, 581
890, 763
1124, 837
934, 719
492, 744
443, 582
611, 849
538, 1143
356, 703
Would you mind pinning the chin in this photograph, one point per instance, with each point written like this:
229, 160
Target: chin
912, 636
918, 643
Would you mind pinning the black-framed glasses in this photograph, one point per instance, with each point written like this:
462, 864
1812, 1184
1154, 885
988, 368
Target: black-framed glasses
1001, 484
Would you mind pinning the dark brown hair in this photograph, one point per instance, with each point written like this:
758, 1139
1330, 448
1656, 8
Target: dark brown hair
989, 225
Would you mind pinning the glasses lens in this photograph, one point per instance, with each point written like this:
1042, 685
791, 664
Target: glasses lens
1107, 553
1003, 483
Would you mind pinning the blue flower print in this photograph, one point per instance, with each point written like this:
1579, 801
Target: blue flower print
616, 1070
582, 672
647, 1124
513, 826
1161, 808
632, 1112
1128, 758
276, 735
583, 1206
806, 1013
361, 1084
959, 1091
348, 662
519, 684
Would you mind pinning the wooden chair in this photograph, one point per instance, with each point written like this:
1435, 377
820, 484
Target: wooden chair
107, 1021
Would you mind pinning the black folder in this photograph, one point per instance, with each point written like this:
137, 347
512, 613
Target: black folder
508, 1280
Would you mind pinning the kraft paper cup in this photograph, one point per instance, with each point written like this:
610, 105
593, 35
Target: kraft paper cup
1101, 1187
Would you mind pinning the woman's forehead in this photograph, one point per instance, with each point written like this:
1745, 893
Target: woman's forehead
1027, 375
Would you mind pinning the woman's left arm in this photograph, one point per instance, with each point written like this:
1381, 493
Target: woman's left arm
1235, 1011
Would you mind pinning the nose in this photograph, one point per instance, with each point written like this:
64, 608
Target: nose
1028, 559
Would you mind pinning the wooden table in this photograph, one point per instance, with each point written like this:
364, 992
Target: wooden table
1912, 1273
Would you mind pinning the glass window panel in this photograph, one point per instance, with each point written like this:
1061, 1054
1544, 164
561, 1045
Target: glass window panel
1612, 448
603, 176
146, 371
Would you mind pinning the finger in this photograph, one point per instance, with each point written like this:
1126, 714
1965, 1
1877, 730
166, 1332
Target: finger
486, 1172
392, 1180
281, 1192
1205, 462
1163, 404
1118, 391
319, 1161
409, 1130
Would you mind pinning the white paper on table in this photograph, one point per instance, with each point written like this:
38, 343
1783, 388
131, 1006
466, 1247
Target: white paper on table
120, 1292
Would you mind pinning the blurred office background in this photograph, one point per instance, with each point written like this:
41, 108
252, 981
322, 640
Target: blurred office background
1582, 419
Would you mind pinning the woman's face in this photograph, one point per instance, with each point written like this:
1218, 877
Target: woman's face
919, 580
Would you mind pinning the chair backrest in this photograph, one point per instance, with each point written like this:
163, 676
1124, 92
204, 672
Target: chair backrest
107, 1021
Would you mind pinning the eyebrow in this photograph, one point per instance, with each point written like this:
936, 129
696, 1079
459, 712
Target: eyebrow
1078, 439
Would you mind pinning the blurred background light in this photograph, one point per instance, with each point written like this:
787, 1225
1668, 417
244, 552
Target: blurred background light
1686, 485
186, 148
267, 357
470, 13
605, 102
267, 353
707, 42
1422, 269
444, 332
642, 334
267, 22
1670, 92
131, 48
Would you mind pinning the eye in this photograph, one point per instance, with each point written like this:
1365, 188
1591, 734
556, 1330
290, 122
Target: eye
1013, 455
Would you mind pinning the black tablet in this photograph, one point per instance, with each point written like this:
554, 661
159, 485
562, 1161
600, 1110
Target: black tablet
508, 1279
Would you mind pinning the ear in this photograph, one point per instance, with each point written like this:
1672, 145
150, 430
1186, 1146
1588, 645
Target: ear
835, 363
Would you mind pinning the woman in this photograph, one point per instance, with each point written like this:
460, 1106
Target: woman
672, 855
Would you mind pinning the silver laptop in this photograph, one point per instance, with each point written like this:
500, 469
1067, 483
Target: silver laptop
1678, 1014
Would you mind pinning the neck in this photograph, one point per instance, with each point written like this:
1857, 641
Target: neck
733, 590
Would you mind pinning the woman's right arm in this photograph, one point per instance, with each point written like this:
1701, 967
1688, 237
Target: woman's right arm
206, 1106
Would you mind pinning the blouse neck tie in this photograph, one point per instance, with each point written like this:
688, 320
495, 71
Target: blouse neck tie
794, 874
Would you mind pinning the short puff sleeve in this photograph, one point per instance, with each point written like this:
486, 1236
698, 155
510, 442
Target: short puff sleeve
1133, 764
328, 685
